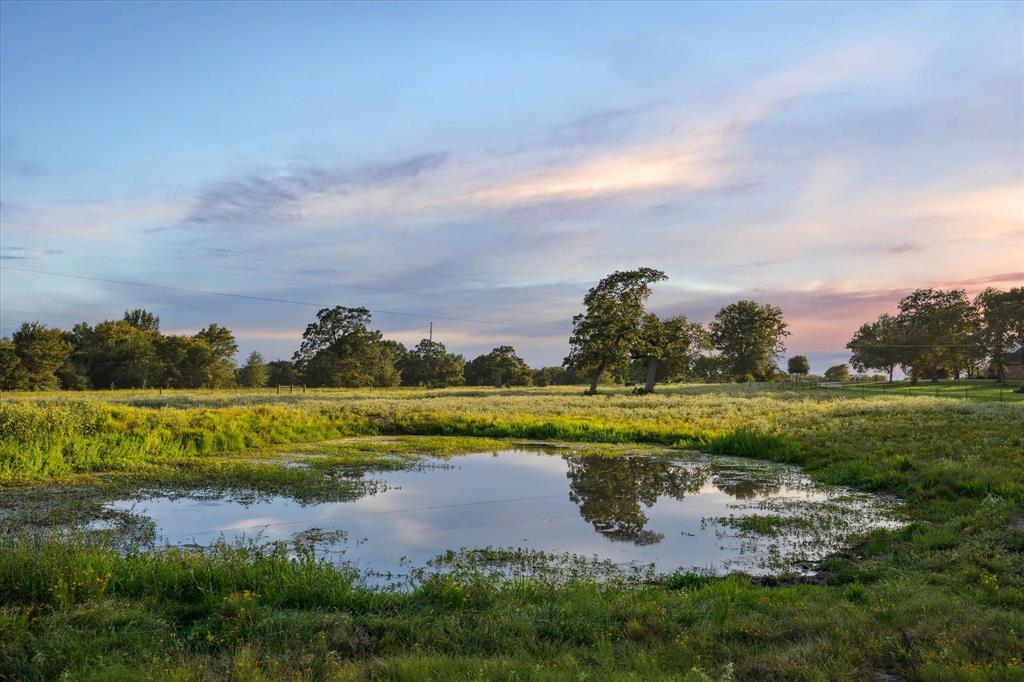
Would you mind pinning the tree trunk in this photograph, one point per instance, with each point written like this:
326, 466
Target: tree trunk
891, 369
594, 379
652, 373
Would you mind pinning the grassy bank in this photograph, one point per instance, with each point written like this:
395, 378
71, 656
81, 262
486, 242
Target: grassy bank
942, 598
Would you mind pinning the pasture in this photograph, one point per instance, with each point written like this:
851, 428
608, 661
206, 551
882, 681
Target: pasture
86, 592
969, 389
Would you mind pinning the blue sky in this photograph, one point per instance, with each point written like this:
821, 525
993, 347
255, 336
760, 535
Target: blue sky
482, 165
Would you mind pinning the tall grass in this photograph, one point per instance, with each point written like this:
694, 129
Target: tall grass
858, 441
941, 599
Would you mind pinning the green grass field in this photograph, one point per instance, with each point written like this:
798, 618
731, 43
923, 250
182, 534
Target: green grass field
940, 599
981, 389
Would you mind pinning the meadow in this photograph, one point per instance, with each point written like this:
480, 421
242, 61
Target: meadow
970, 389
941, 598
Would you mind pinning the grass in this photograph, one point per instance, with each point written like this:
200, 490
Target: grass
940, 599
969, 389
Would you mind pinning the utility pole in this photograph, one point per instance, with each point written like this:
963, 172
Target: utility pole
431, 338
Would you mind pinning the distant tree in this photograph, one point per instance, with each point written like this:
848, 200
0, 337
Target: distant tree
939, 329
501, 367
222, 342
117, 354
878, 345
604, 335
176, 355
430, 364
709, 369
798, 364
254, 373
13, 376
547, 376
838, 373
668, 348
559, 376
397, 350
142, 319
339, 349
41, 351
74, 373
281, 373
220, 372
1002, 325
748, 337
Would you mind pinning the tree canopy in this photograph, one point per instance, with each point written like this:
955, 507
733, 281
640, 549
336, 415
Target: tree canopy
254, 373
938, 333
501, 367
609, 330
878, 345
339, 349
838, 372
749, 337
430, 364
668, 349
798, 364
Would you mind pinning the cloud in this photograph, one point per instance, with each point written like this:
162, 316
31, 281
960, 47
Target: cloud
590, 129
260, 199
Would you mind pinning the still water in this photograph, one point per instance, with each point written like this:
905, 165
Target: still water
664, 513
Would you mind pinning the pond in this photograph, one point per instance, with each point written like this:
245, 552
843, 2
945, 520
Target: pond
658, 513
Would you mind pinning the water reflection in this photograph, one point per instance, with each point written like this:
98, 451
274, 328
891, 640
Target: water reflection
661, 511
611, 490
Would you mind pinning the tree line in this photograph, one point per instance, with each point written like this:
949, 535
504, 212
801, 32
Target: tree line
939, 334
614, 340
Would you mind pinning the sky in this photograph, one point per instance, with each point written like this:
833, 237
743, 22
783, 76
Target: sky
480, 166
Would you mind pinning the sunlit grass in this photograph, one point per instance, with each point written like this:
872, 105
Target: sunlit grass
942, 598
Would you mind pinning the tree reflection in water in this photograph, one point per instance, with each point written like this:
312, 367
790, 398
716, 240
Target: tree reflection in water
610, 490
742, 488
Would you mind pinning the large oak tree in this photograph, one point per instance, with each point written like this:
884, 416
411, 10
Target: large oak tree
609, 330
749, 337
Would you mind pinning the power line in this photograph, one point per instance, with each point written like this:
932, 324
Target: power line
89, 235
269, 299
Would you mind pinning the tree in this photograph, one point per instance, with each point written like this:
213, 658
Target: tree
339, 349
281, 373
748, 337
878, 345
838, 373
604, 335
430, 364
175, 354
142, 319
798, 364
709, 369
222, 342
118, 354
940, 331
397, 350
222, 347
74, 373
41, 351
555, 376
13, 376
668, 348
1002, 325
254, 373
501, 367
